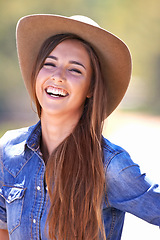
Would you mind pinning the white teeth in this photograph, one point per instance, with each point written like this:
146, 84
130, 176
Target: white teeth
56, 91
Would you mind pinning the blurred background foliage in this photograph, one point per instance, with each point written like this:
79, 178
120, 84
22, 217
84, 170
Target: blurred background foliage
136, 22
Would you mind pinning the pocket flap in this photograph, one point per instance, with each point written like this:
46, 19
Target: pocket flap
11, 193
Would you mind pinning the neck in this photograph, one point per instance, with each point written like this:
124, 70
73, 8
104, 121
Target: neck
55, 130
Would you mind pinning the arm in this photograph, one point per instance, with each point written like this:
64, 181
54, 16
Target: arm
4, 235
130, 191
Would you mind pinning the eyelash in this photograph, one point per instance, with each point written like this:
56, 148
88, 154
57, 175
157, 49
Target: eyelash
75, 70
49, 64
71, 70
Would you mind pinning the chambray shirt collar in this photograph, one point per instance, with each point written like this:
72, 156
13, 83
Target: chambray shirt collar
33, 141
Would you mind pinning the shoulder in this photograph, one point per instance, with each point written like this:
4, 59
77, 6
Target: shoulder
116, 158
15, 136
119, 167
111, 150
15, 151
13, 141
124, 180
111, 147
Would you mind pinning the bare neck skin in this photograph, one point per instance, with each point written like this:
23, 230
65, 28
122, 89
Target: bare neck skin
54, 130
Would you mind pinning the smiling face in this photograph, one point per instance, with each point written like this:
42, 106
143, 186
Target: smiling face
63, 83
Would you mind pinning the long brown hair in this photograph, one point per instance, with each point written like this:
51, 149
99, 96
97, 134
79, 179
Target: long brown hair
74, 173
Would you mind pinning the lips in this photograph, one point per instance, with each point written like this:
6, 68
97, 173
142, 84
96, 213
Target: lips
56, 92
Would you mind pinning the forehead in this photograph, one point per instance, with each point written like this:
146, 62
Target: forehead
71, 47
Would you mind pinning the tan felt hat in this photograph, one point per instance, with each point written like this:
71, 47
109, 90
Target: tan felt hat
114, 55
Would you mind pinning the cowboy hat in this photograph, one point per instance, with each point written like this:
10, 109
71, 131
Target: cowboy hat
114, 55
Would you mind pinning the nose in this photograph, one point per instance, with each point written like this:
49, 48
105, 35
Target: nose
59, 75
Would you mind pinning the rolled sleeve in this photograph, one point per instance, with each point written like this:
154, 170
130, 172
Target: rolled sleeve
130, 191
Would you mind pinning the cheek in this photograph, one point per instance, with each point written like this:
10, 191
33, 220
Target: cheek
39, 80
38, 87
86, 86
82, 90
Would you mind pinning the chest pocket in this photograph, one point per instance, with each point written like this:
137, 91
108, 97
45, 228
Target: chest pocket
14, 197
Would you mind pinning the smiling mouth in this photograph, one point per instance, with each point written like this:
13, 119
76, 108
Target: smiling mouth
56, 92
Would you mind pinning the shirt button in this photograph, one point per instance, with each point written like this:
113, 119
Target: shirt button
34, 220
38, 188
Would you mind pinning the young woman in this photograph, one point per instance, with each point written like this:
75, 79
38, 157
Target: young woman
60, 179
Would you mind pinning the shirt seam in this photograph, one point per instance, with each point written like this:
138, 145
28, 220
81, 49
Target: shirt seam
105, 168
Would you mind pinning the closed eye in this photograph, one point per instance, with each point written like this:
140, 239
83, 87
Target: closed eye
75, 70
50, 64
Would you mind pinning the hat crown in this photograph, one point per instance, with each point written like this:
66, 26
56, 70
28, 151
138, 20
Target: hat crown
84, 19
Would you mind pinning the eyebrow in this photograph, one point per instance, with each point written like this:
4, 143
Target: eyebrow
72, 62
53, 57
77, 63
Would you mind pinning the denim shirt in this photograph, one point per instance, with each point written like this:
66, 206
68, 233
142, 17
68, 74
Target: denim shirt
24, 200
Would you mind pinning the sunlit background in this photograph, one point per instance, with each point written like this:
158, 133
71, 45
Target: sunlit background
135, 124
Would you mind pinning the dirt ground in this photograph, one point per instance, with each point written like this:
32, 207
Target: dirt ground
140, 135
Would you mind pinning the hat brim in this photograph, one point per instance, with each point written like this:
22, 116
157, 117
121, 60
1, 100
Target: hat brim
114, 55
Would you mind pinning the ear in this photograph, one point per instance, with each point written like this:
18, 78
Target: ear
90, 93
